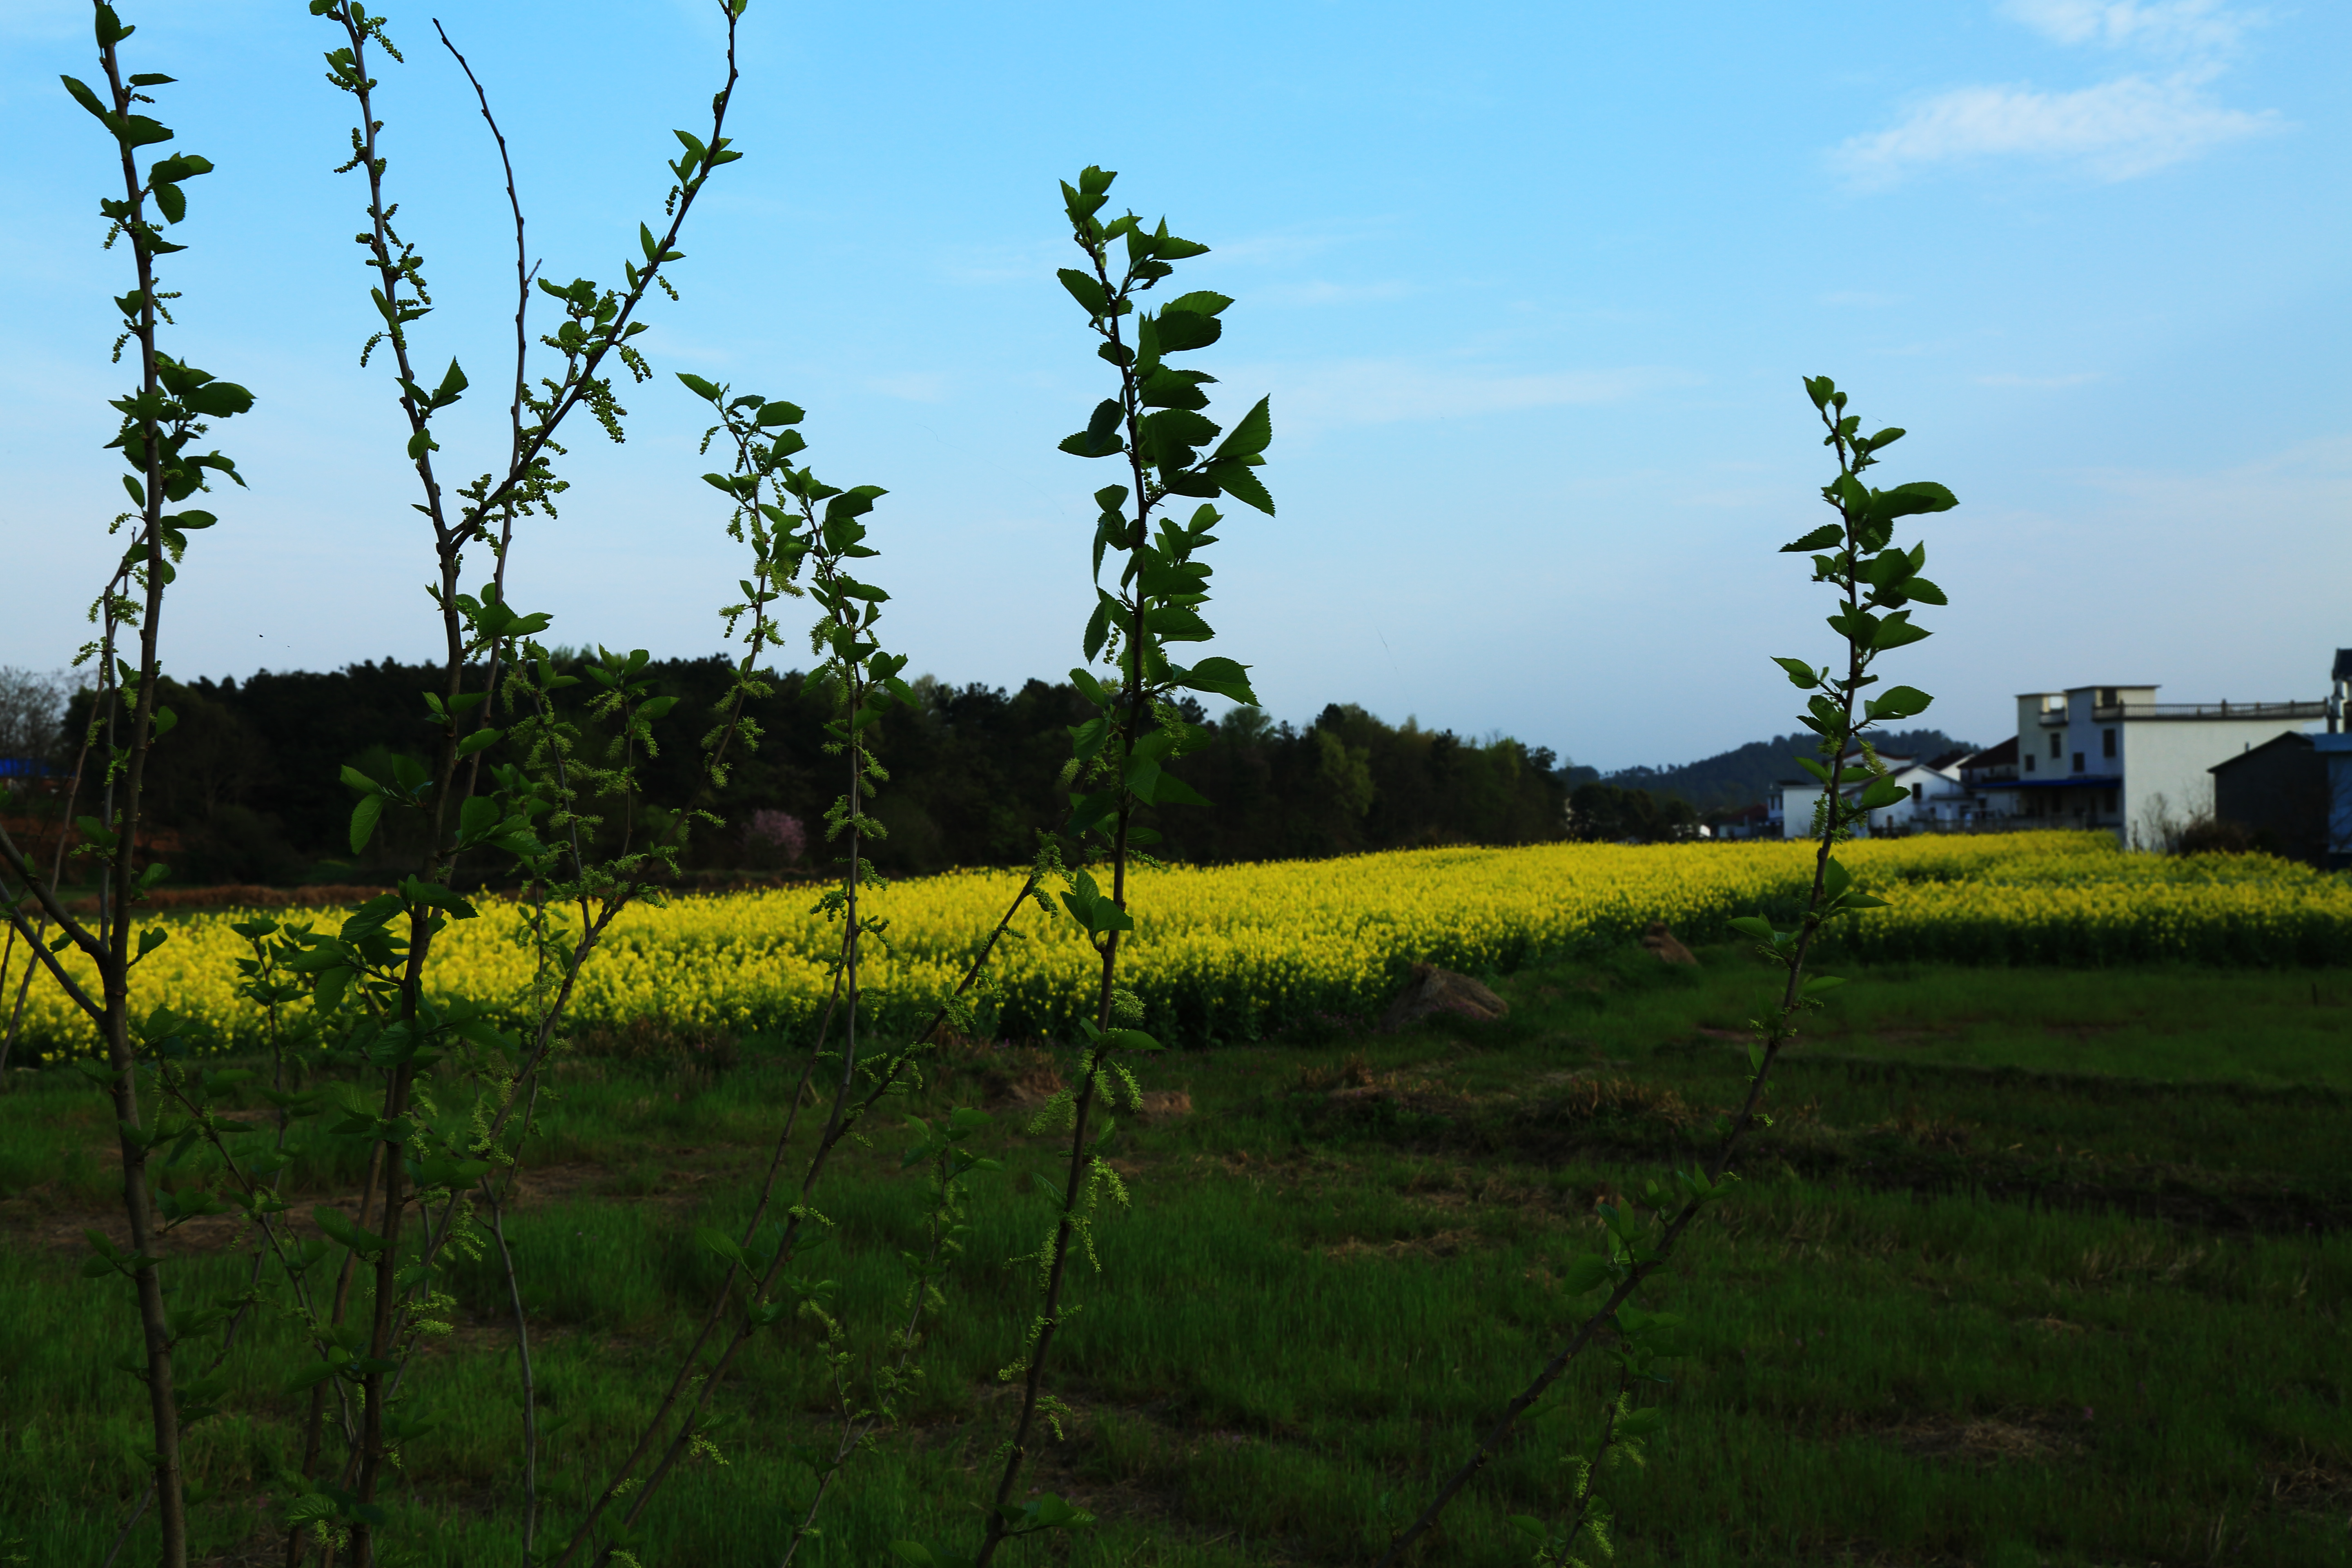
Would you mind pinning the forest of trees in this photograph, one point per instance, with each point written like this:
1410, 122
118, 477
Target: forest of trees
249, 781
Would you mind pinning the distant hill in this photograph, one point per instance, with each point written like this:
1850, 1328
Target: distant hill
1732, 779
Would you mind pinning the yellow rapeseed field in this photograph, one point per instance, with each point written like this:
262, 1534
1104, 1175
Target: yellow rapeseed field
1231, 953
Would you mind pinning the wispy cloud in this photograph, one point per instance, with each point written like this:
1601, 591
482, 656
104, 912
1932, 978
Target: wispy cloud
2131, 125
1339, 394
2200, 27
915, 386
1320, 292
2117, 130
2078, 378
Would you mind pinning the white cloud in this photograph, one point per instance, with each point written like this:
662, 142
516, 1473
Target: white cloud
1320, 292
915, 386
1343, 393
2198, 26
2045, 383
2309, 483
2133, 125
2116, 130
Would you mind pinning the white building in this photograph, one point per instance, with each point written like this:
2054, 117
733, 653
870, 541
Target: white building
2115, 757
2096, 756
1933, 795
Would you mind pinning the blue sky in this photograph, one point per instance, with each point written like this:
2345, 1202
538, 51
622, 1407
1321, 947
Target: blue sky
1531, 287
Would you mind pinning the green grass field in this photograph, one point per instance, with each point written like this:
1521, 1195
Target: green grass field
2035, 1268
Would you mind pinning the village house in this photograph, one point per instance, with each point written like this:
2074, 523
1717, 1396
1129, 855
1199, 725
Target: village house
2109, 757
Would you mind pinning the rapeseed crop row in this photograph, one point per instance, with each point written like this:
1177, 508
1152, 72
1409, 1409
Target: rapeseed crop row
1235, 953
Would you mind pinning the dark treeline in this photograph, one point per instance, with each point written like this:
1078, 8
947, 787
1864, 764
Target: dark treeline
1742, 776
249, 780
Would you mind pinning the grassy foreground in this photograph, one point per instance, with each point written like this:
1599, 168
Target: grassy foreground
2036, 1268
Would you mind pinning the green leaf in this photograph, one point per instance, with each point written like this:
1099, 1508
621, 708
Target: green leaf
1169, 790
1881, 793
89, 100
1926, 593
712, 1239
1641, 1422
316, 1373
1176, 623
856, 502
1086, 739
1802, 675
1087, 290
1169, 388
333, 982
363, 820
365, 1241
1236, 479
1201, 302
1182, 330
1897, 702
1252, 436
1896, 631
1755, 926
1821, 538
1171, 435
218, 400
1221, 676
1587, 1272
1905, 500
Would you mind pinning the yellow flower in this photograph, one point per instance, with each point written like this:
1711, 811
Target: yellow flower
1233, 953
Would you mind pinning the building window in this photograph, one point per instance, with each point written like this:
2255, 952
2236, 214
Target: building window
2029, 762
1919, 794
2106, 743
2111, 802
2055, 742
2078, 762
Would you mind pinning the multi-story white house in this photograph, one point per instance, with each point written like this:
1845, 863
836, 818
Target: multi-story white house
2090, 756
2115, 757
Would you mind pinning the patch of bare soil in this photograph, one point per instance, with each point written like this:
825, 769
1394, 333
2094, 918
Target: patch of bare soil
2310, 1486
39, 1213
1016, 1078
1583, 1099
1166, 1104
2080, 1031
2016, 1436
1440, 1243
